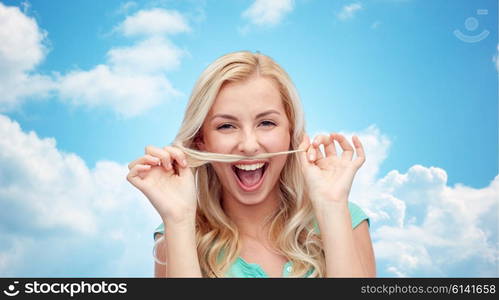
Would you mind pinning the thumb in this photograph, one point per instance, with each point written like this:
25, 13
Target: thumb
184, 171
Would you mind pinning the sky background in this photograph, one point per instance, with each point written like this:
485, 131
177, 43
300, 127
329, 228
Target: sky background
86, 85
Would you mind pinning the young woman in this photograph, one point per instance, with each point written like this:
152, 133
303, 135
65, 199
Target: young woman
276, 215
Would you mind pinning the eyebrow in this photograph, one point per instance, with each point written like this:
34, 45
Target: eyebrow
231, 117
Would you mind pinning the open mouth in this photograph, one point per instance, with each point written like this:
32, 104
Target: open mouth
250, 180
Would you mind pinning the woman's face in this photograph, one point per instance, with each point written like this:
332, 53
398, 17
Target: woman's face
247, 118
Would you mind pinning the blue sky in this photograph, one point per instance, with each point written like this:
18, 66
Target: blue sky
97, 81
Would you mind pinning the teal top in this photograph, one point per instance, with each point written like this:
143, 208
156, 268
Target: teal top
244, 269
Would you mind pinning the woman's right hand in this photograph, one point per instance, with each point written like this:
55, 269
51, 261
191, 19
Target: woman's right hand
166, 180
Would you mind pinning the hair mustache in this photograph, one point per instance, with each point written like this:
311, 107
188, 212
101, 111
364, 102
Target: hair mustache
197, 158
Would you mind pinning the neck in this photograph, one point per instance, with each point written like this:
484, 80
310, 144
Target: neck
250, 219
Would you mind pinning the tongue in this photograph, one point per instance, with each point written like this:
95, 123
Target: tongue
249, 178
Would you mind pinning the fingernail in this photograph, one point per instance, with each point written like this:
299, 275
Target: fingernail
311, 156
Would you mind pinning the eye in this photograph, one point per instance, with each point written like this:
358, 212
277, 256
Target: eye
268, 123
224, 126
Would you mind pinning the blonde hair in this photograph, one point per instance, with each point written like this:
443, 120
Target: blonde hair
292, 226
197, 158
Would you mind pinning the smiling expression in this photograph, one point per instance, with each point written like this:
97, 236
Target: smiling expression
247, 118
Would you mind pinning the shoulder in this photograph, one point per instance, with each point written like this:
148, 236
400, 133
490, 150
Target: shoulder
357, 214
159, 255
159, 230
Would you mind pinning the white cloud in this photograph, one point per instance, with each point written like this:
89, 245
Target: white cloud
153, 55
60, 218
26, 6
348, 11
155, 21
127, 94
268, 12
131, 81
22, 48
126, 7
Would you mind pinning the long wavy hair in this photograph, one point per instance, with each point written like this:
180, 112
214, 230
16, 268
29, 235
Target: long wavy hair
292, 226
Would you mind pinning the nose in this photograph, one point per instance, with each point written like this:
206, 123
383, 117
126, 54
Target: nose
248, 144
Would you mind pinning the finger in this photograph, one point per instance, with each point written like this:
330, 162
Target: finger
146, 159
331, 148
321, 139
150, 160
345, 145
179, 160
163, 155
177, 155
311, 153
134, 174
361, 155
324, 140
304, 145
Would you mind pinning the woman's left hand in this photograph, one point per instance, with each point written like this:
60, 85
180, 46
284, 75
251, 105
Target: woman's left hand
330, 178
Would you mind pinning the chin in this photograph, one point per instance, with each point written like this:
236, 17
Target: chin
251, 199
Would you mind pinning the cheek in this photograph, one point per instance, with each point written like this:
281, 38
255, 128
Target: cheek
278, 163
278, 143
218, 144
220, 168
276, 140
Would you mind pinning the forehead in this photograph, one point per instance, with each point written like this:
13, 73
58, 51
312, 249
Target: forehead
248, 97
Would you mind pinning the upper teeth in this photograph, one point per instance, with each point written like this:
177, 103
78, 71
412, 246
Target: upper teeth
250, 167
